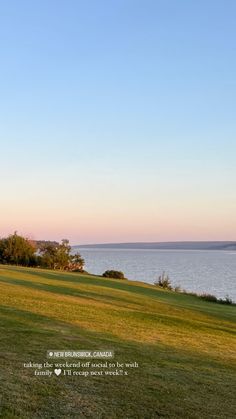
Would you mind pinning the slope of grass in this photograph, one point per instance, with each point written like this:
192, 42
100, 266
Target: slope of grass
185, 348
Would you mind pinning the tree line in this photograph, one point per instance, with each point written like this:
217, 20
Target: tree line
18, 250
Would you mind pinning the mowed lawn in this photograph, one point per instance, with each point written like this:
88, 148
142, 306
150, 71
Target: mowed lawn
185, 348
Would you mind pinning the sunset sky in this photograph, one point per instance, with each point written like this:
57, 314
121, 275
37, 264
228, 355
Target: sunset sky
117, 120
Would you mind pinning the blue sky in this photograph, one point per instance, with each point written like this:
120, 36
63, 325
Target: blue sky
117, 119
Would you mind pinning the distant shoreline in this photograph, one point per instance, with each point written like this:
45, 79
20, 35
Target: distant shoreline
184, 245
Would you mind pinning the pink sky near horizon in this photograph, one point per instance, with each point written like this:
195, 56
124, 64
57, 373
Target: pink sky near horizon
94, 210
121, 226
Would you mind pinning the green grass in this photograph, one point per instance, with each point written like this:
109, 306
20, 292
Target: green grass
185, 348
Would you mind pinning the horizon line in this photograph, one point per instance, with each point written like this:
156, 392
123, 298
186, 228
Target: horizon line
157, 242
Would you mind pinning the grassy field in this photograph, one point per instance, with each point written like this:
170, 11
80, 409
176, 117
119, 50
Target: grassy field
185, 348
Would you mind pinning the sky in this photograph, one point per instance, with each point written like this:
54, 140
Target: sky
117, 120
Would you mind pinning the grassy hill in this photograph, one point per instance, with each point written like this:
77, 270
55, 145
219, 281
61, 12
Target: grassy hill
185, 348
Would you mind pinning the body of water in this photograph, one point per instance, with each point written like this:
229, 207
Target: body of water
199, 271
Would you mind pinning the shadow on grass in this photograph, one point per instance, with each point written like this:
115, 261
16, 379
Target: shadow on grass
169, 383
122, 285
66, 290
169, 320
16, 320
168, 297
143, 289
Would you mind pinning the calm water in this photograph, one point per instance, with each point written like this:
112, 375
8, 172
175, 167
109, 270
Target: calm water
194, 270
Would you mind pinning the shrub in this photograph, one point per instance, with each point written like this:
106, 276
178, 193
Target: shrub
226, 300
163, 282
113, 274
208, 297
192, 294
214, 299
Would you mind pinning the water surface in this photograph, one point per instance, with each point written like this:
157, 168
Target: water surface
194, 270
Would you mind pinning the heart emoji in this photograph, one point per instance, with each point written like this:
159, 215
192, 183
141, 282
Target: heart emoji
57, 371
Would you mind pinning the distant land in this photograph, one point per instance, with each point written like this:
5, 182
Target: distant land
182, 245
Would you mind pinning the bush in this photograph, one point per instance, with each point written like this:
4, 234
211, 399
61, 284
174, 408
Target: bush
214, 299
209, 297
163, 282
226, 300
113, 274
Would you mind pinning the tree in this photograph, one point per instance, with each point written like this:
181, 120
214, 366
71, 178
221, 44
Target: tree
48, 252
17, 250
58, 256
76, 263
63, 255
